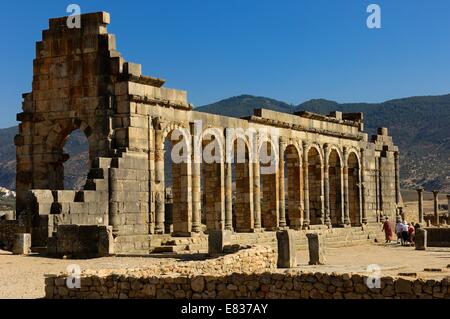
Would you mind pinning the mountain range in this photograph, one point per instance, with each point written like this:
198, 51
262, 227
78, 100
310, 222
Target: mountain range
419, 125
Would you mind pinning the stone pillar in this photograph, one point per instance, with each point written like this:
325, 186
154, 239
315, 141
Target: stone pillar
196, 180
228, 196
287, 257
159, 178
436, 207
326, 180
306, 219
322, 196
346, 193
316, 249
196, 197
363, 187
397, 178
22, 244
420, 239
448, 204
217, 239
257, 193
282, 195
420, 204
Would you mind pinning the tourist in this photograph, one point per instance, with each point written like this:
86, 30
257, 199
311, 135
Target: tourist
398, 231
387, 230
405, 236
411, 233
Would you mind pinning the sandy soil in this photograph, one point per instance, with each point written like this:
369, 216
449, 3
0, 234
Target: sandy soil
23, 276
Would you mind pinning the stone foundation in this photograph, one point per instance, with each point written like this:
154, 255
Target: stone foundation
248, 273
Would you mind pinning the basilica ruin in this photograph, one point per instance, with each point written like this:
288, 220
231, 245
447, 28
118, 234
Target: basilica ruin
330, 174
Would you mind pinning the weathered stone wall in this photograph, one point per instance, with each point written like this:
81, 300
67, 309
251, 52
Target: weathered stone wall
8, 231
438, 237
246, 274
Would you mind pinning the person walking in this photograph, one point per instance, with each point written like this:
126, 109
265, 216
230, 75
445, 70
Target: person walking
411, 233
388, 231
405, 235
398, 231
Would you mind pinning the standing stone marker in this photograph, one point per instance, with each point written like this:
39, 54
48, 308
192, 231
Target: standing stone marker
217, 239
421, 239
22, 244
286, 249
316, 249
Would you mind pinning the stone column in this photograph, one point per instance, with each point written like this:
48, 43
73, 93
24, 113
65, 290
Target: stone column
282, 195
436, 207
397, 178
196, 196
326, 180
159, 177
257, 193
448, 204
322, 196
306, 185
228, 196
363, 187
346, 194
420, 203
196, 180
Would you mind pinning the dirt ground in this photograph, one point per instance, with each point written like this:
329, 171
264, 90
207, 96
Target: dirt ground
23, 276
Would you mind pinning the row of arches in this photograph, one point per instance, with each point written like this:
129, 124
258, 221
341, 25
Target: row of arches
310, 185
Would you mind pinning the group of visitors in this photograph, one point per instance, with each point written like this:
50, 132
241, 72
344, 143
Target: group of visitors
405, 232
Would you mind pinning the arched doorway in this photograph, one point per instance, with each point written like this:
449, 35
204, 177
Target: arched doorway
177, 183
76, 165
353, 189
212, 181
269, 186
315, 186
293, 187
242, 183
336, 195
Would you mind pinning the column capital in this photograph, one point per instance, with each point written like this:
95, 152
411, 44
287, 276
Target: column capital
448, 196
435, 192
419, 189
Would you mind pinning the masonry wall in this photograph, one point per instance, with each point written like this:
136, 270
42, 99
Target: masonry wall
255, 277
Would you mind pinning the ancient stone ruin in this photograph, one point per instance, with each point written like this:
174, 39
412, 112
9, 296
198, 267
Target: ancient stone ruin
329, 172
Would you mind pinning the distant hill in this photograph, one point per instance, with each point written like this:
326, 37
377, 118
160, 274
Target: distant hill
420, 127
243, 105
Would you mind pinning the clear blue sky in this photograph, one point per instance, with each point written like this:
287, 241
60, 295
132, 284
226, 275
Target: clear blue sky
289, 50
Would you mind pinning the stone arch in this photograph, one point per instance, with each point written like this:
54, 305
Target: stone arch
293, 185
315, 184
336, 194
54, 142
177, 182
354, 183
243, 219
268, 154
212, 178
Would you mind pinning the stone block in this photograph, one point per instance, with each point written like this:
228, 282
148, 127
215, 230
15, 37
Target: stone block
217, 239
316, 249
22, 244
420, 239
286, 249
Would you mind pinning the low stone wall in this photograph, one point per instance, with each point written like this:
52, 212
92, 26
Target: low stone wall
248, 273
81, 241
438, 237
8, 231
